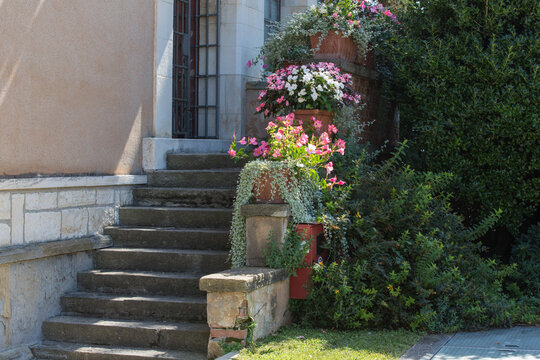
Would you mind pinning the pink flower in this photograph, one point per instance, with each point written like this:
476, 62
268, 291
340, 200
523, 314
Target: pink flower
324, 138
243, 141
329, 167
266, 112
253, 141
336, 26
332, 129
280, 100
335, 15
340, 182
271, 125
257, 152
262, 94
276, 153
349, 14
232, 152
333, 180
303, 139
311, 149
279, 135
248, 63
350, 22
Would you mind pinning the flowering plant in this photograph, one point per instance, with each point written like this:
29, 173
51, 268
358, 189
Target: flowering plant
289, 141
361, 20
313, 86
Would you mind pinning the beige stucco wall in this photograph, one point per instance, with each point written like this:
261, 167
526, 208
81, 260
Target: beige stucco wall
76, 85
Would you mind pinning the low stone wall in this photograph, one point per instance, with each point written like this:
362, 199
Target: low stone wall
48, 230
245, 302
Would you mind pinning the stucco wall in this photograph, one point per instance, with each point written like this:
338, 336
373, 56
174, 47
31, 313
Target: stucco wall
76, 85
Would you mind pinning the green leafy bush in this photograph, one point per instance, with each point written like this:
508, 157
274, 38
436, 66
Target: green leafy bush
466, 75
400, 257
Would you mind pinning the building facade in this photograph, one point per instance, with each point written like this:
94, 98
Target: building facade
93, 94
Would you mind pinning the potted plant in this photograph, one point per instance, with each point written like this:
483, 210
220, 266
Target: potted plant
291, 167
332, 30
311, 90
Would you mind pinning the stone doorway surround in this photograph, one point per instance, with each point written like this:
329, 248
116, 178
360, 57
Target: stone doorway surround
242, 34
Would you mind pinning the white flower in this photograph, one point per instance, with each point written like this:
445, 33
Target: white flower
314, 95
319, 88
301, 100
307, 78
302, 92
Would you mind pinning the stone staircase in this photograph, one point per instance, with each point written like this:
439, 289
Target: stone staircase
142, 300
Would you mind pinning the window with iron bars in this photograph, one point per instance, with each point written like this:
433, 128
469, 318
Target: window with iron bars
196, 69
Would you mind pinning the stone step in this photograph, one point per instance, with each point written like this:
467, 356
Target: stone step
179, 217
201, 161
167, 260
140, 283
169, 238
135, 307
124, 333
72, 351
207, 178
188, 197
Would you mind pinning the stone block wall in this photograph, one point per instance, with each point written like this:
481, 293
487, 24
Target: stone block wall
45, 209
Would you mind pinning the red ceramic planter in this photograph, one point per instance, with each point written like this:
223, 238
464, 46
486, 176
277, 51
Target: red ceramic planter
299, 284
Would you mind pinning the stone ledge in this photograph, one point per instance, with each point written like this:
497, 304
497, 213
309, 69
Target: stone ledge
244, 279
53, 248
39, 183
272, 210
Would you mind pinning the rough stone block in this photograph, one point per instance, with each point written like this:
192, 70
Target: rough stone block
214, 349
5, 206
74, 198
74, 223
41, 201
42, 226
17, 219
124, 196
105, 196
269, 308
5, 235
222, 309
258, 232
98, 217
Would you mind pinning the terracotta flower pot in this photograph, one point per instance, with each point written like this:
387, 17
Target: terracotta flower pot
334, 47
264, 186
323, 116
299, 284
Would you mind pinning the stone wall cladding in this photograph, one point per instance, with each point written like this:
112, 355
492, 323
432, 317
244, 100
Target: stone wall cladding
29, 215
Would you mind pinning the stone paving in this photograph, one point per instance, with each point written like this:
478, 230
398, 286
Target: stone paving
518, 343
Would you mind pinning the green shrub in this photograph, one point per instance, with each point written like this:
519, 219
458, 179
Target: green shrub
400, 257
466, 75
526, 256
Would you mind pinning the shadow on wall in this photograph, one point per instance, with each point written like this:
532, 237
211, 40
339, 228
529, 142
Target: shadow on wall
76, 85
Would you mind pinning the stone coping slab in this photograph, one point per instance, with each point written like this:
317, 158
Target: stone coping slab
40, 183
35, 251
244, 279
272, 210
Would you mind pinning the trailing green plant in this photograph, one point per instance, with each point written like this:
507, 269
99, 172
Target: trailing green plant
289, 255
466, 75
299, 191
362, 21
408, 259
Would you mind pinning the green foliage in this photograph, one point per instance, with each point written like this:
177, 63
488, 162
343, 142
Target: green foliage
290, 255
526, 256
408, 259
466, 75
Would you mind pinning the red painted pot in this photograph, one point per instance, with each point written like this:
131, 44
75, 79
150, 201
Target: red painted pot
262, 189
334, 47
299, 284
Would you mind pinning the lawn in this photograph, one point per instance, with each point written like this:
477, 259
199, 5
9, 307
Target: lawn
305, 343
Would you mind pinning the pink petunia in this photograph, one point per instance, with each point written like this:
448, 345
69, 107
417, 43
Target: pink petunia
253, 141
317, 124
243, 141
232, 152
248, 63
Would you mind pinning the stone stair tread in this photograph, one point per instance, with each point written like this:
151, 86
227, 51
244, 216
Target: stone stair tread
153, 274
182, 171
178, 208
123, 297
165, 251
134, 324
62, 350
168, 228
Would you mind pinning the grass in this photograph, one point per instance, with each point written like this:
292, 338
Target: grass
330, 344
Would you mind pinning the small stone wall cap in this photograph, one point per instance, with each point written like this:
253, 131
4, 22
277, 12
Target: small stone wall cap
243, 279
272, 210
